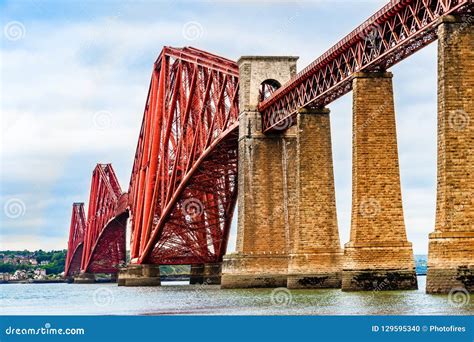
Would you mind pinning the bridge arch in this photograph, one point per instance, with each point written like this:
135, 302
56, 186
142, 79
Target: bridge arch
75, 248
108, 252
104, 242
267, 88
74, 266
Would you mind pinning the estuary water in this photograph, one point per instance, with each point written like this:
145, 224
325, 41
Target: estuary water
178, 298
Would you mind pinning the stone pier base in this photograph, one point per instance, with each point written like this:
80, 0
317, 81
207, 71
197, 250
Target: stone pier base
450, 262
379, 280
362, 273
314, 281
209, 274
325, 267
139, 275
84, 278
196, 276
445, 280
253, 271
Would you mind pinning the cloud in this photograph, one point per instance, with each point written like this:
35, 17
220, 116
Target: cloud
32, 242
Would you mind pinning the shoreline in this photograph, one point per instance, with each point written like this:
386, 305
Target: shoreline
34, 281
99, 281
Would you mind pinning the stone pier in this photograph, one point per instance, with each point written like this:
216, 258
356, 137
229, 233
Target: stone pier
208, 274
451, 245
266, 202
196, 276
378, 255
139, 275
84, 278
316, 255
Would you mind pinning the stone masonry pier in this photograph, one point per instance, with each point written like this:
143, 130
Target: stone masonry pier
316, 255
451, 245
266, 200
209, 274
139, 275
378, 254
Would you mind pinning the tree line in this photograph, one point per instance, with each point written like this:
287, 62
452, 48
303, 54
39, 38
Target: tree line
56, 260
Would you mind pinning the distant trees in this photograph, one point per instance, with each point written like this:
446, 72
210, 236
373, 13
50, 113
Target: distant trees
55, 259
9, 268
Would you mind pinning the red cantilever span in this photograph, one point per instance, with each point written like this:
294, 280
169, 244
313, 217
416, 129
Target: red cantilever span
76, 240
183, 187
396, 31
104, 242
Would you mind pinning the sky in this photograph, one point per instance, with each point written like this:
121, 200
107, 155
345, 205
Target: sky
74, 78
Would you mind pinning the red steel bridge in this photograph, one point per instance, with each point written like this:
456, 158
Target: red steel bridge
183, 186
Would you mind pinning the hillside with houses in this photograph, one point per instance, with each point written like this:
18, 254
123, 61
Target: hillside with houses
26, 265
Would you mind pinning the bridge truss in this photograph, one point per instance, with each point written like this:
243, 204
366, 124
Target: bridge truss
104, 242
183, 187
76, 240
393, 33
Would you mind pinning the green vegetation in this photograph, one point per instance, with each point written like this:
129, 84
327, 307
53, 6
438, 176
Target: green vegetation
175, 269
169, 269
55, 259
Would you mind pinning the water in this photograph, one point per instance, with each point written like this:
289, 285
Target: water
109, 299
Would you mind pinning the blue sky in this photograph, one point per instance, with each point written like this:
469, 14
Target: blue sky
74, 78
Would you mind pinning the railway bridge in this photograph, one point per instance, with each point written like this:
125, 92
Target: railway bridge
256, 132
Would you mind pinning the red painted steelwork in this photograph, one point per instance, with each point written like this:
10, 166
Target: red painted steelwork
396, 31
76, 240
183, 187
104, 243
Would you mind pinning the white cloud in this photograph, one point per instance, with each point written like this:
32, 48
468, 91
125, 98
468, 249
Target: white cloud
32, 242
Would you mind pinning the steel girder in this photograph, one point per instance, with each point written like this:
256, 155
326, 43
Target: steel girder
76, 240
183, 187
396, 31
104, 242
